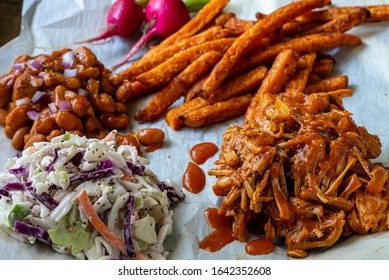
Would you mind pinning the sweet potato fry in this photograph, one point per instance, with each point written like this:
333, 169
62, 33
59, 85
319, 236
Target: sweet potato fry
248, 82
378, 13
220, 20
131, 90
166, 71
174, 118
217, 112
342, 23
238, 26
304, 67
323, 66
302, 45
152, 59
195, 89
283, 67
261, 29
203, 17
176, 88
330, 84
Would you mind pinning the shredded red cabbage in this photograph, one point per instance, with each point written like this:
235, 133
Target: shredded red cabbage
136, 169
30, 230
105, 169
77, 158
21, 172
13, 186
127, 227
4, 193
172, 194
51, 164
44, 198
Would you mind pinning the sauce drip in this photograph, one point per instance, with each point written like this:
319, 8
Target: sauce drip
222, 234
151, 139
261, 246
200, 153
193, 179
127, 140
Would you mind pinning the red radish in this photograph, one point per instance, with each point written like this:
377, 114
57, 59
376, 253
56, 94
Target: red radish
163, 18
124, 18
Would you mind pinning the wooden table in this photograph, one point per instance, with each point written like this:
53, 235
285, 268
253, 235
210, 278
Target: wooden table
10, 12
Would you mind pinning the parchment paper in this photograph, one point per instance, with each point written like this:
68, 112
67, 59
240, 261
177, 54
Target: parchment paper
49, 25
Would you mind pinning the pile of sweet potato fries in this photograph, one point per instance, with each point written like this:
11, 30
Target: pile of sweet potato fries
217, 61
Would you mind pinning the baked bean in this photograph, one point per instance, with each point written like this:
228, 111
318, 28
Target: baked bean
72, 83
51, 78
59, 94
68, 121
77, 132
116, 79
9, 132
86, 56
45, 124
18, 137
102, 102
93, 86
94, 129
34, 138
106, 85
120, 107
23, 87
18, 116
54, 133
3, 116
81, 106
115, 121
89, 73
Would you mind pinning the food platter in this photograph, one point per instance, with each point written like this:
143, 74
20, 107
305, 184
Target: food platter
44, 30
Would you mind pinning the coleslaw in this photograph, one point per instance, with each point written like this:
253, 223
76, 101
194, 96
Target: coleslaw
40, 191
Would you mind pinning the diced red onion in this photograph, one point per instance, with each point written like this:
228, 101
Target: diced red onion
18, 66
33, 115
64, 105
82, 92
52, 107
36, 81
22, 101
70, 72
34, 64
37, 96
68, 59
69, 94
66, 65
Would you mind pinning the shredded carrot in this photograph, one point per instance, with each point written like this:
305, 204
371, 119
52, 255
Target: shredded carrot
93, 217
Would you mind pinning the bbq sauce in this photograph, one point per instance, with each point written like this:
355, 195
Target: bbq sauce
127, 140
200, 153
260, 246
151, 139
194, 178
222, 234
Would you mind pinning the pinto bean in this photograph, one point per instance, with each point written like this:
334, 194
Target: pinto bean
45, 124
68, 121
18, 137
115, 121
81, 106
3, 116
9, 132
34, 138
18, 116
54, 133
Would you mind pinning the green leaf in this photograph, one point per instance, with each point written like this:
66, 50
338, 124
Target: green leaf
18, 213
74, 236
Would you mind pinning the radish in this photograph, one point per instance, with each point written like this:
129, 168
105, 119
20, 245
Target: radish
124, 18
163, 18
